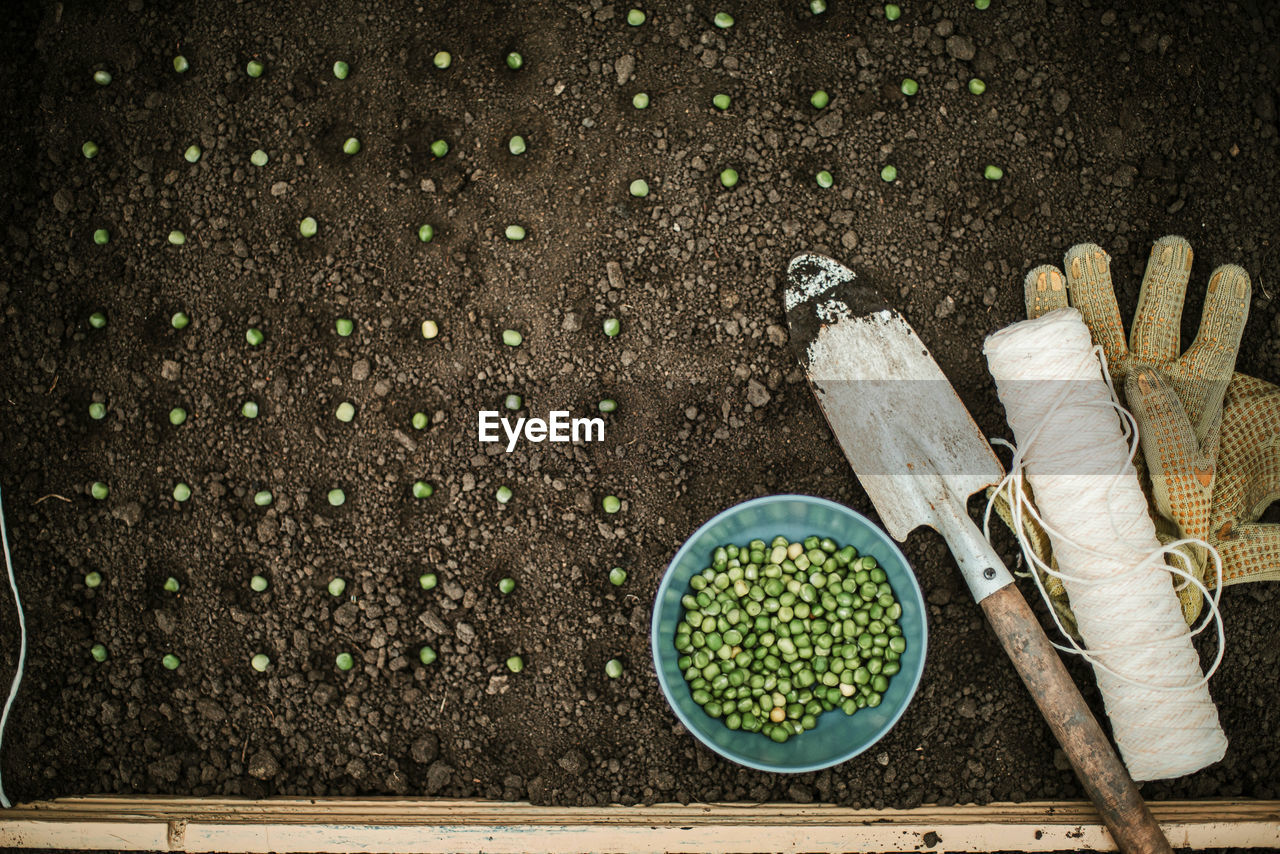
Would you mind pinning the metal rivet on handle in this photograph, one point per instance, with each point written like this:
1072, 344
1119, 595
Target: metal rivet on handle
989, 573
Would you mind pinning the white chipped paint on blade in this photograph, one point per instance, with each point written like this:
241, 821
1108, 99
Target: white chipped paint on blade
826, 274
908, 436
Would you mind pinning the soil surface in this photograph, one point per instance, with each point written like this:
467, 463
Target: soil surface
1114, 123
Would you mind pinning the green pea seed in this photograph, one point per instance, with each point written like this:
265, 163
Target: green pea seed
344, 326
337, 498
515, 61
976, 86
258, 584
345, 412
101, 237
640, 100
512, 338
516, 145
192, 154
254, 336
439, 148
427, 655
892, 12
608, 404
910, 87
617, 576
177, 416
181, 492
430, 329
427, 580
258, 158
515, 232
515, 664
97, 320
824, 179
308, 227
442, 60
506, 586
993, 173
254, 68
171, 662
180, 64
981, 4
817, 7
102, 78
260, 662
422, 489
171, 585
611, 504
503, 494
723, 20
419, 421
337, 587
180, 320
99, 652
639, 188
612, 326
721, 101
177, 238
263, 498
93, 579
820, 99
341, 70
613, 668
513, 401
351, 146
889, 173
97, 411
729, 178
344, 661
89, 149
635, 17
426, 233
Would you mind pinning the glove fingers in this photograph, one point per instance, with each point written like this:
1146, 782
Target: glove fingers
1182, 477
1045, 290
1249, 456
1206, 367
1155, 337
1088, 271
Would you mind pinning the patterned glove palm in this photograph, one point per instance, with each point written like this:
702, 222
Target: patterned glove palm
1210, 438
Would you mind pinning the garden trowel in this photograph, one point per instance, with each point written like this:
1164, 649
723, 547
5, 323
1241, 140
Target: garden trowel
919, 455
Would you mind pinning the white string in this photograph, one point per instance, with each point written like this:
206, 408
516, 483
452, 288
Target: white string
1077, 456
22, 647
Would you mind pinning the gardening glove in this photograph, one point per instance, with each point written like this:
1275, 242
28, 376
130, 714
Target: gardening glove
1203, 484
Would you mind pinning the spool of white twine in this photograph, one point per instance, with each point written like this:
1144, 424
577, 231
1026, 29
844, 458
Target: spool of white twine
1074, 450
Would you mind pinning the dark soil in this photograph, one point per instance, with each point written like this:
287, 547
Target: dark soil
1112, 123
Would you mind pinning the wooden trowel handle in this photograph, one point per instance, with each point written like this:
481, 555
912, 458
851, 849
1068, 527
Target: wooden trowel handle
1095, 762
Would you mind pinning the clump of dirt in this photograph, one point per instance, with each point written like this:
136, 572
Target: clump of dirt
1116, 125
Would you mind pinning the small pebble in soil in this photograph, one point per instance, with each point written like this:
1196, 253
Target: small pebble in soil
516, 144
254, 68
723, 20
993, 173
260, 662
976, 86
177, 416
351, 146
419, 421
720, 101
181, 492
258, 584
89, 149
515, 61
892, 12
824, 179
253, 336
422, 489
341, 70
515, 232
180, 64
344, 326
92, 579
613, 668
820, 99
442, 59
336, 498
101, 237
177, 238
344, 661
611, 504
99, 652
427, 655
635, 17
263, 498
439, 148
192, 154
426, 233
171, 661
308, 227
640, 100
99, 490
430, 329
909, 87
345, 412
427, 580
889, 173
259, 157
617, 576
97, 411
503, 494
97, 320
515, 664
180, 320
102, 78
512, 338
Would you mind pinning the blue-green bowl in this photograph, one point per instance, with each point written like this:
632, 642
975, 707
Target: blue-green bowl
838, 736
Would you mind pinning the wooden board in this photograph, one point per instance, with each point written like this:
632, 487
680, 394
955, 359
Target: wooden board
431, 826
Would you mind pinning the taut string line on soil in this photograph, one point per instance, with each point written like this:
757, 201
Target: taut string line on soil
22, 644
